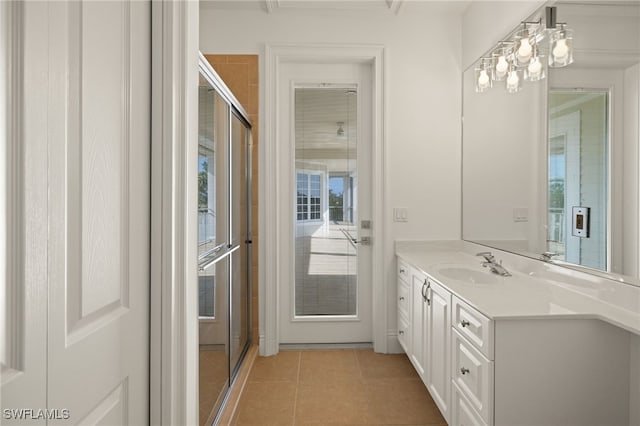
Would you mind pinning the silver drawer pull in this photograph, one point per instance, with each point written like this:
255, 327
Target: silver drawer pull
464, 370
401, 298
464, 323
401, 332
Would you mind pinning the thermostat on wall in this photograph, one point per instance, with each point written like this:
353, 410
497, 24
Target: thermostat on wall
581, 222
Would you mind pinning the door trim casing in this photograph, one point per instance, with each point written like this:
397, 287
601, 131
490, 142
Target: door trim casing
173, 391
273, 195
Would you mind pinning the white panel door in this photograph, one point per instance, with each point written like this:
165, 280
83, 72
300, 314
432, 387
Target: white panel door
93, 198
99, 159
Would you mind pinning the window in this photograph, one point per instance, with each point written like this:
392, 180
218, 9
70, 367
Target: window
309, 190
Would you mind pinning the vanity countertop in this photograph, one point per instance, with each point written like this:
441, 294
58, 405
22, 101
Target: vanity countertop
535, 289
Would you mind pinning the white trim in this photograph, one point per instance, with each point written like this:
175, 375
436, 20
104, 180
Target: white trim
393, 345
12, 203
271, 243
174, 319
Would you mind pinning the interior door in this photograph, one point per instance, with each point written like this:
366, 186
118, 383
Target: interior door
93, 69
99, 159
326, 122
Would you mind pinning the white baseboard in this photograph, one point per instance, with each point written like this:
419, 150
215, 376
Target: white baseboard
262, 345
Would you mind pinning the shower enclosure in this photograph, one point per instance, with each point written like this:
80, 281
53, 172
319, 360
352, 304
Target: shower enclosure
224, 239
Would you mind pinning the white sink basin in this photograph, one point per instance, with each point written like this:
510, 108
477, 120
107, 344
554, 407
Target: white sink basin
461, 273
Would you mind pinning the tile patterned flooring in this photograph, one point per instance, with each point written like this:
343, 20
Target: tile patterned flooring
335, 387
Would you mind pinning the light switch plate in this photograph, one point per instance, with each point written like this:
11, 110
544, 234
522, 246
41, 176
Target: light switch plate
520, 214
400, 214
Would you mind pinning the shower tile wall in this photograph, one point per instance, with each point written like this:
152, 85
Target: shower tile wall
240, 74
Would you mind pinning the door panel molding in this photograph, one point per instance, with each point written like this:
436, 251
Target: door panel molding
97, 154
111, 409
12, 256
23, 134
273, 193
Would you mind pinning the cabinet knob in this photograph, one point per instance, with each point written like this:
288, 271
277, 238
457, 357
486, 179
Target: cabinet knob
402, 271
401, 332
401, 298
464, 323
464, 370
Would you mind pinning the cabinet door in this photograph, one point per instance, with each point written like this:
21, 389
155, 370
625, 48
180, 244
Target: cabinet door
418, 322
437, 345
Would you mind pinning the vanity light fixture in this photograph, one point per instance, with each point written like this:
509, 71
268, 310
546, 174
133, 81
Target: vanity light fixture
560, 40
514, 82
501, 57
561, 47
521, 56
537, 68
482, 76
524, 46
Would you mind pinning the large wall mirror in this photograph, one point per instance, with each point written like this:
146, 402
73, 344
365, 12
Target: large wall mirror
554, 168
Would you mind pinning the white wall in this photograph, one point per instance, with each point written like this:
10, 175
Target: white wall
501, 167
422, 108
631, 249
484, 23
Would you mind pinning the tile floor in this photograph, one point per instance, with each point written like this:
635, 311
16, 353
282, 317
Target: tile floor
335, 387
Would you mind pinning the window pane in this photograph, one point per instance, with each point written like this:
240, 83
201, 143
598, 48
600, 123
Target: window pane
325, 148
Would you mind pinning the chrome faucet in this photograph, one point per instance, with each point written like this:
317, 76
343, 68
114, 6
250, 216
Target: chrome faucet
547, 256
490, 262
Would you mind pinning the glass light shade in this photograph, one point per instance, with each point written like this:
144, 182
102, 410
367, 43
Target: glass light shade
537, 68
483, 79
524, 47
500, 64
561, 48
514, 81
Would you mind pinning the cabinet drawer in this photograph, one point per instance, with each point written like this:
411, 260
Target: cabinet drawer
403, 271
473, 374
462, 413
404, 334
404, 292
477, 328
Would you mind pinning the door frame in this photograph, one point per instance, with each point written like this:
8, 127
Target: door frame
173, 387
273, 196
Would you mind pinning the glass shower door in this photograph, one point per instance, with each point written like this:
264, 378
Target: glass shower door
213, 237
240, 241
224, 246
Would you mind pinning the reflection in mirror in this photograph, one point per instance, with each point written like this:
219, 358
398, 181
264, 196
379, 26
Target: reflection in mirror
578, 177
553, 169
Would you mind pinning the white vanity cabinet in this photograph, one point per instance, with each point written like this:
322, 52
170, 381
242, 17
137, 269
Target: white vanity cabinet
429, 325
542, 347
472, 366
404, 306
437, 348
418, 321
